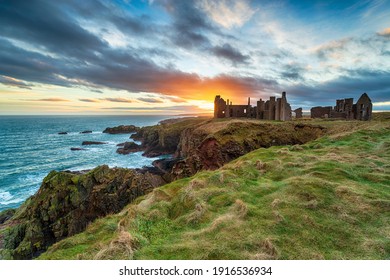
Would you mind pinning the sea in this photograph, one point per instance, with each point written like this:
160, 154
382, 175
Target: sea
30, 147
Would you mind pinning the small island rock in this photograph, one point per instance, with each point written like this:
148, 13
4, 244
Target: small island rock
93, 143
129, 147
77, 149
122, 129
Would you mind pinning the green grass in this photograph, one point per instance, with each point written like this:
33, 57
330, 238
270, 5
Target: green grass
327, 199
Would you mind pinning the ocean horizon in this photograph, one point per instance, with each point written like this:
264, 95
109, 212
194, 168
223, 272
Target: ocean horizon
31, 147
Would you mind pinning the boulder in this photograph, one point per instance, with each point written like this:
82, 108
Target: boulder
86, 132
62, 133
77, 149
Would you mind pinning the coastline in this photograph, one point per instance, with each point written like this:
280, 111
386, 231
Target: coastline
199, 145
31, 148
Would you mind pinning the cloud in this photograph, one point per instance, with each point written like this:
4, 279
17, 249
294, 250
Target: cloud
47, 26
14, 82
174, 99
88, 100
149, 100
351, 85
228, 13
231, 54
117, 99
189, 24
171, 51
190, 108
82, 59
385, 33
53, 99
381, 104
326, 50
293, 72
109, 71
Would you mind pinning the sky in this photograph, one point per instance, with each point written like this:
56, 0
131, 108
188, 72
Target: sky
172, 56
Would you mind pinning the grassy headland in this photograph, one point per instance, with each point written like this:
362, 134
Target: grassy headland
326, 199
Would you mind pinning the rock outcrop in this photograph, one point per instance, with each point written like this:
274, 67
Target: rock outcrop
129, 147
93, 143
86, 132
77, 149
122, 129
65, 204
62, 133
163, 139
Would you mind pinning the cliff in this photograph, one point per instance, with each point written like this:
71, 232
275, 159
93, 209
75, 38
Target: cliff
164, 138
65, 204
207, 144
214, 143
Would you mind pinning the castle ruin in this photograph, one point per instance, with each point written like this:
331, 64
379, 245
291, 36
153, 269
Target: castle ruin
272, 109
345, 109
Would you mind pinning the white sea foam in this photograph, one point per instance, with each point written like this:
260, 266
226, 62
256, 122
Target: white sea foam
5, 196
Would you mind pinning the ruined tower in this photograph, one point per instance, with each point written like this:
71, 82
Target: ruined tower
363, 108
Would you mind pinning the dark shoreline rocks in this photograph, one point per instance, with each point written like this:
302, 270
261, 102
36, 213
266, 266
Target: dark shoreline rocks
86, 132
122, 129
62, 133
93, 143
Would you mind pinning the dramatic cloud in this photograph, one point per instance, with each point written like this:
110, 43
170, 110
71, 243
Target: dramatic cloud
189, 24
352, 85
14, 82
189, 51
228, 13
293, 72
231, 54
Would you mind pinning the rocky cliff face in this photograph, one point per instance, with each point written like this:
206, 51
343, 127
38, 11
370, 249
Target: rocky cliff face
212, 144
163, 139
207, 144
65, 204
